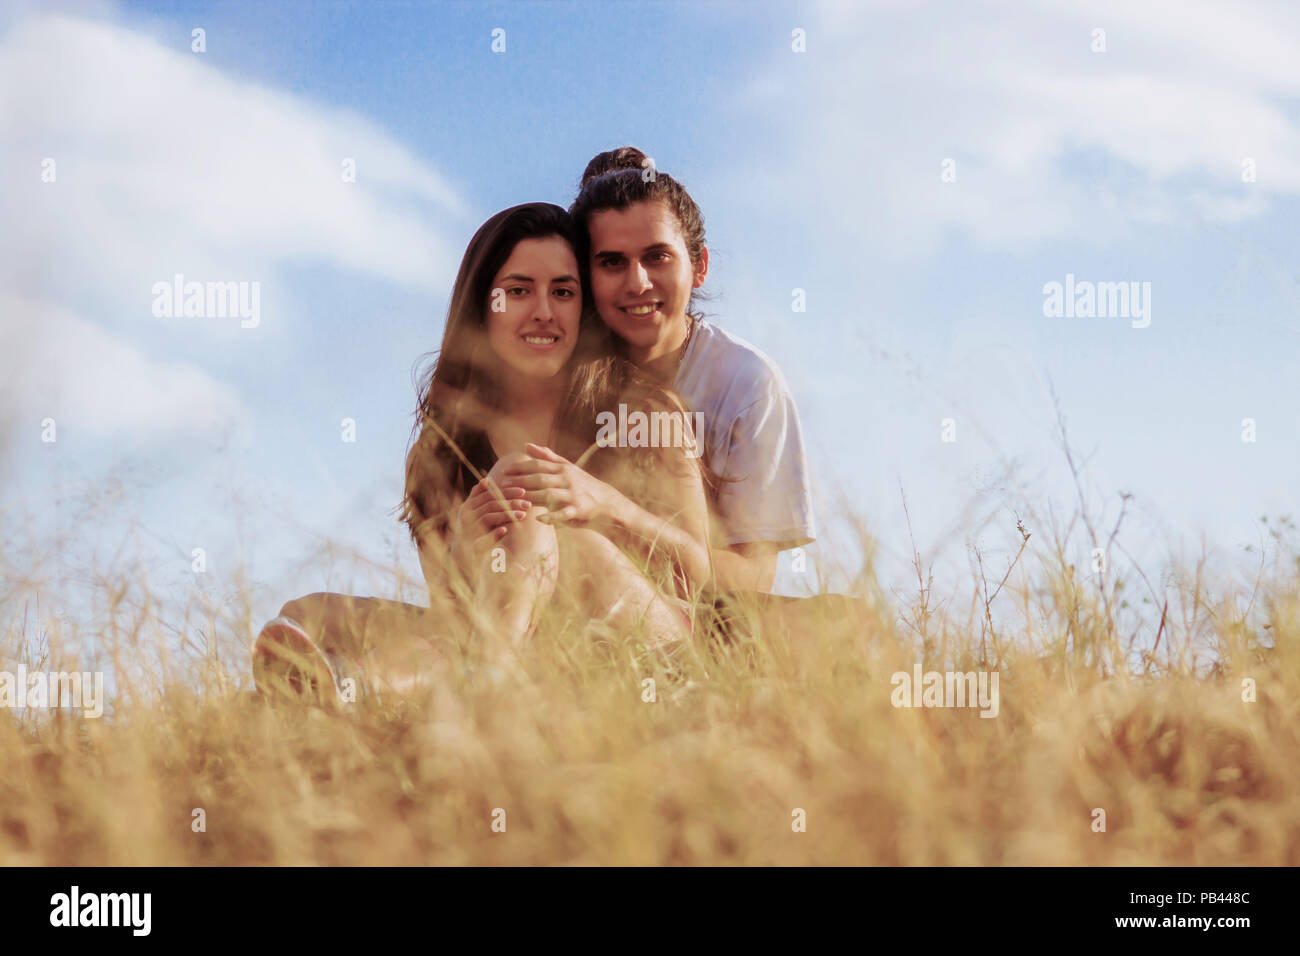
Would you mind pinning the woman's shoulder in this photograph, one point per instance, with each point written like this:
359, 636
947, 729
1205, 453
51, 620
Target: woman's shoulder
439, 472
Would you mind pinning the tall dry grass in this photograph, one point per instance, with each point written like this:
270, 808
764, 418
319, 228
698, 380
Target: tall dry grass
1100, 708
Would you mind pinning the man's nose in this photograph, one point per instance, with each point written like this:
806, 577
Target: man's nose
638, 279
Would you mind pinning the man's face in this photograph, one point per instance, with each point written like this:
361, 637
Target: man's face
642, 275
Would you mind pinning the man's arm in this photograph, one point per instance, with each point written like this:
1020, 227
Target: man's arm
648, 534
746, 567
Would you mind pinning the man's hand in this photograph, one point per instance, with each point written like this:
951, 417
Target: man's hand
570, 495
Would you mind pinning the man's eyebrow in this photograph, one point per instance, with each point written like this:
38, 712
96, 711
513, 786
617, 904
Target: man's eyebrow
655, 247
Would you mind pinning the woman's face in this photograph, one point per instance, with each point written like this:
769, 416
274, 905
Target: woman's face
642, 274
535, 307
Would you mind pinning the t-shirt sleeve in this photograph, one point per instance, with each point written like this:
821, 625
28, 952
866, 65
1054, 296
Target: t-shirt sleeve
768, 497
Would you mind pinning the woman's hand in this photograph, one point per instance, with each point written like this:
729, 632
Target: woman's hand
488, 511
569, 494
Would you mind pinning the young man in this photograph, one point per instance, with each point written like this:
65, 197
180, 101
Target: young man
646, 256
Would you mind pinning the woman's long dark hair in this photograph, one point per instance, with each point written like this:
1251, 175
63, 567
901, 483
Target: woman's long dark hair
460, 392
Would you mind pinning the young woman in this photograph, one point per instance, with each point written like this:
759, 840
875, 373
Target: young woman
512, 495
643, 254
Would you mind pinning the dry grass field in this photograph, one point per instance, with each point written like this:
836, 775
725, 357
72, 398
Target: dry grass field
782, 747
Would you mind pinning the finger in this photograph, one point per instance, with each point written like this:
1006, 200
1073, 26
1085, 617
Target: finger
534, 482
501, 498
562, 516
496, 534
551, 498
491, 487
541, 451
484, 507
516, 513
500, 514
530, 466
503, 519
512, 510
485, 490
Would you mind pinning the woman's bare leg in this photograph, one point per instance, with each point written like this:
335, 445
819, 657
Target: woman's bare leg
344, 624
514, 578
397, 643
614, 591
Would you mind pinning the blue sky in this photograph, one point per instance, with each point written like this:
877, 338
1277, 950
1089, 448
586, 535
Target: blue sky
818, 170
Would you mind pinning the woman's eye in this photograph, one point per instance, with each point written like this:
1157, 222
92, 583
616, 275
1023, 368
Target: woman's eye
520, 289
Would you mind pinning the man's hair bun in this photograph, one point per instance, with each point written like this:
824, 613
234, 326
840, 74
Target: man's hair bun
625, 157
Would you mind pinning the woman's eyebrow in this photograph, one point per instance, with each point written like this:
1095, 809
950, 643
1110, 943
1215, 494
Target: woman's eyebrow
517, 277
565, 278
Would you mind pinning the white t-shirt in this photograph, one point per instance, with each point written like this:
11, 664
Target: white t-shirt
750, 430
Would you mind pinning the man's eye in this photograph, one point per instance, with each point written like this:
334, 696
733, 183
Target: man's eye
610, 263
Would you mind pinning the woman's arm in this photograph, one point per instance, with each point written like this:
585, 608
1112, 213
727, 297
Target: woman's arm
479, 520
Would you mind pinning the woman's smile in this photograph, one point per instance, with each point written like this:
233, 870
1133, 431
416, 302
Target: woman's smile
542, 341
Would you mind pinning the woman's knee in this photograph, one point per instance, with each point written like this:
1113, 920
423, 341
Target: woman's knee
529, 539
309, 607
526, 557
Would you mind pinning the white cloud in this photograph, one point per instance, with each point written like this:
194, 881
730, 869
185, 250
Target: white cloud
92, 382
165, 164
1015, 94
169, 161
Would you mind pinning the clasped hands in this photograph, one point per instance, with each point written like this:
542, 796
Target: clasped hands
537, 477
